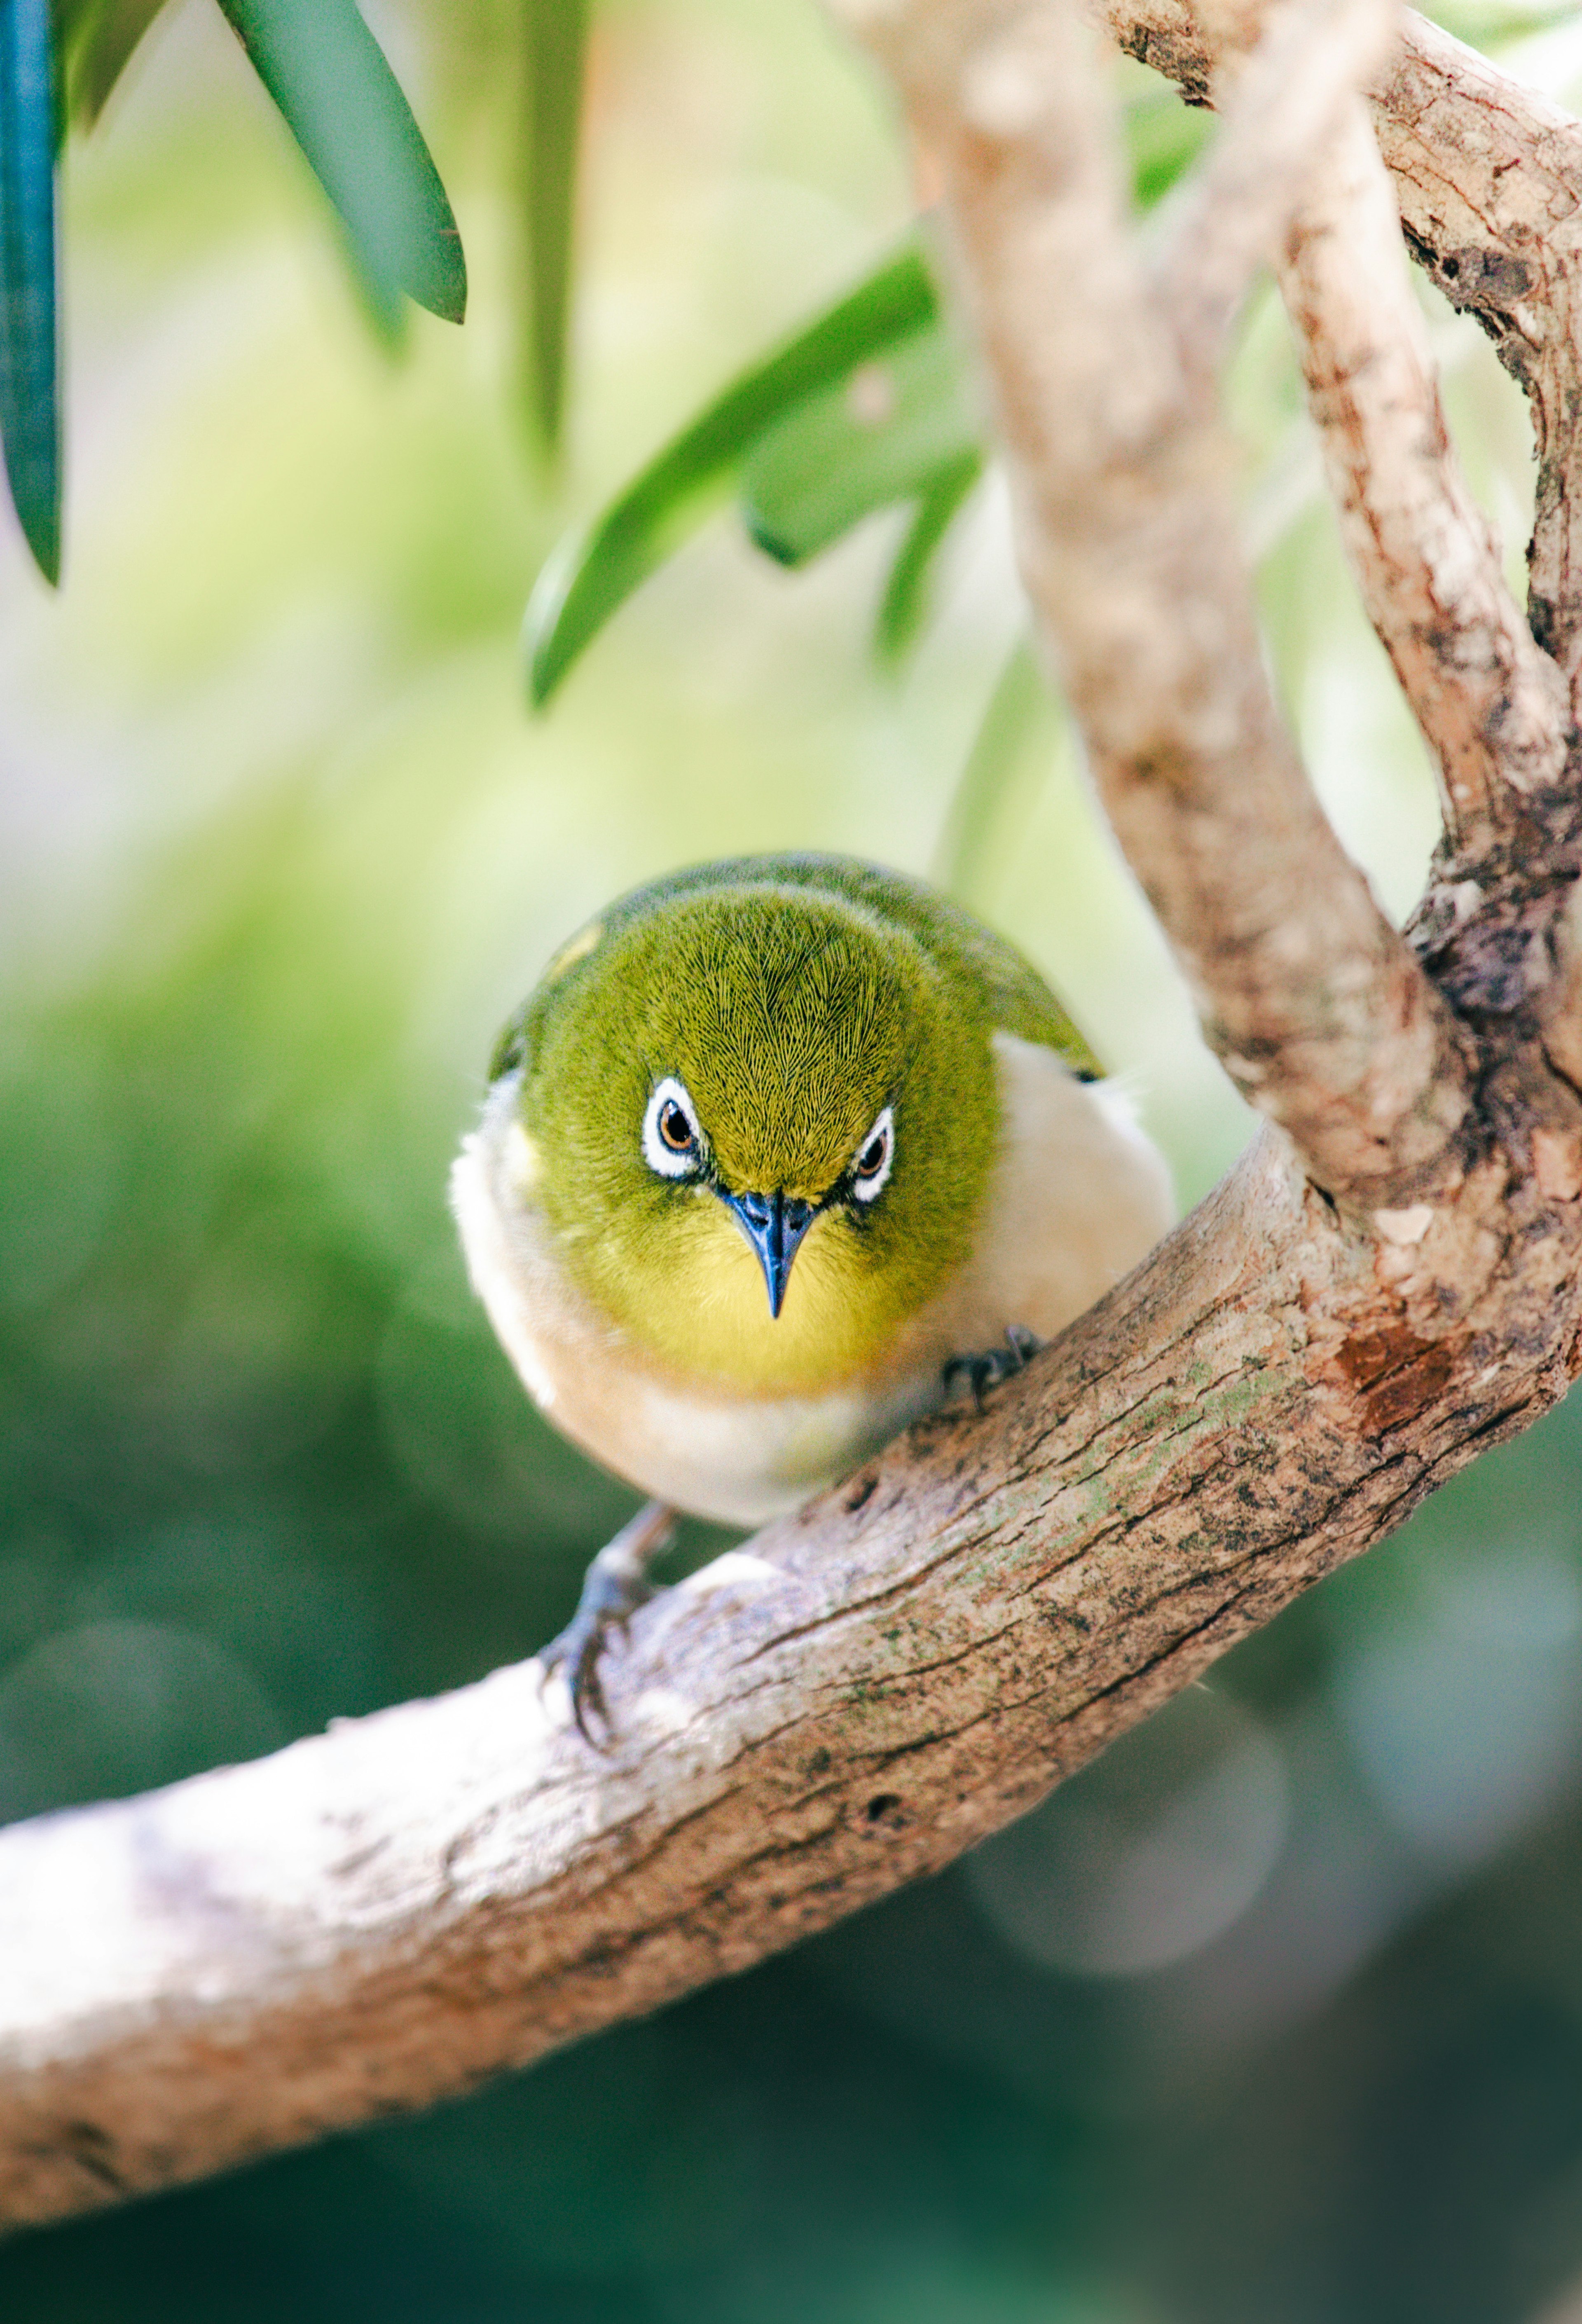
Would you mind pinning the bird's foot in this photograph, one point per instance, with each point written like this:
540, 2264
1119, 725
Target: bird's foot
990, 1366
614, 1586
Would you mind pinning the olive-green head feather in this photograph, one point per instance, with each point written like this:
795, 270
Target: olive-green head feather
758, 1110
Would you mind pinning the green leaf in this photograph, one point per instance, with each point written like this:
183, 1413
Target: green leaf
558, 39
326, 73
868, 407
592, 573
30, 411
879, 435
97, 40
906, 599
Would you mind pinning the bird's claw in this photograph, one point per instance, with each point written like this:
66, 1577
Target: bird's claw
613, 1587
604, 1609
990, 1366
576, 1650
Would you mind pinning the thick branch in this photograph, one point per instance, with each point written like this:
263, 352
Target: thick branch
1129, 549
384, 1914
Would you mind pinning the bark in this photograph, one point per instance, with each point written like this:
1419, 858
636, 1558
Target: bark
1488, 175
1387, 1285
1492, 705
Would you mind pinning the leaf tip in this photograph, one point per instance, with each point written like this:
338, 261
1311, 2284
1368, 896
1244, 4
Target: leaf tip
763, 536
38, 513
547, 650
449, 298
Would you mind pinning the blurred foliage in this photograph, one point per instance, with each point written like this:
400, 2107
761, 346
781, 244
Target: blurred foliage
59, 62
804, 385
871, 404
338, 97
1273, 2013
556, 51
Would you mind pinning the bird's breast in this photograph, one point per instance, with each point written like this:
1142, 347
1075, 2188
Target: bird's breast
737, 1448
736, 1416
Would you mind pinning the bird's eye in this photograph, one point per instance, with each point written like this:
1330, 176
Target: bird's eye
672, 1144
874, 1158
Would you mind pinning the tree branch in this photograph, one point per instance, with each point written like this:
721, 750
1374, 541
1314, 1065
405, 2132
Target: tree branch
1283, 103
1488, 177
1297, 168
1501, 233
1492, 706
1489, 180
1129, 550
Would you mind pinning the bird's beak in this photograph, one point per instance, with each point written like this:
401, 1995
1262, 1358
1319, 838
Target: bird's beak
773, 1224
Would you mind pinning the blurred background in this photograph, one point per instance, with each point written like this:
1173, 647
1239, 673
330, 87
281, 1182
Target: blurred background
1274, 2015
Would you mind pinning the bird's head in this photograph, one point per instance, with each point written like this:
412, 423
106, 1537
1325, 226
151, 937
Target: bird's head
759, 1122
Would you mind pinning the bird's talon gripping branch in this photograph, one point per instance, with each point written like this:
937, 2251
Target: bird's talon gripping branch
990, 1366
614, 1586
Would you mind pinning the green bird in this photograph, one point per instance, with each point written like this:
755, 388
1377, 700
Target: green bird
779, 1149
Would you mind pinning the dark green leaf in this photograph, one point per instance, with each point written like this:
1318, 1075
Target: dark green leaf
96, 39
29, 412
879, 435
326, 73
906, 598
591, 574
557, 36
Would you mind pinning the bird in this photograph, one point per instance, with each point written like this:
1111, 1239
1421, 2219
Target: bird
779, 1151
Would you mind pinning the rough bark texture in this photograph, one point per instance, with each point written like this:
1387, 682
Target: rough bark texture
1387, 1285
1491, 704
1488, 175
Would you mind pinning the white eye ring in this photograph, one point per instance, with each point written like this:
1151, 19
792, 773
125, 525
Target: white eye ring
866, 1184
672, 1161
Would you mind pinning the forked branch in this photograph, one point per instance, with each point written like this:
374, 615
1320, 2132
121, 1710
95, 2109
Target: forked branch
1282, 102
1129, 549
1488, 180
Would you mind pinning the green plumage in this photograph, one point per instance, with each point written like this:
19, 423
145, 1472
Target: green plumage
793, 997
1016, 996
